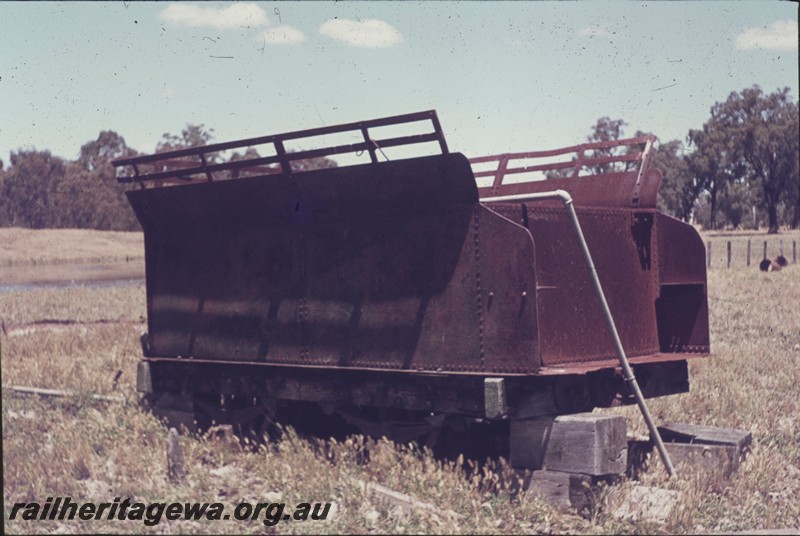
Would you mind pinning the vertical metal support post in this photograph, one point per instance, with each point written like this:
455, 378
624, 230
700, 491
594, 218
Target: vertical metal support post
204, 162
280, 151
371, 146
765, 249
780, 247
437, 128
612, 328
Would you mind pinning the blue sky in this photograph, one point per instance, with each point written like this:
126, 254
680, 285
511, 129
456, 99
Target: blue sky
503, 76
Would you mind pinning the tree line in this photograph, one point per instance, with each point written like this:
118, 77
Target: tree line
40, 190
740, 169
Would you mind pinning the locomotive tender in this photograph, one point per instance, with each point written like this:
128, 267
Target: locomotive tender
388, 293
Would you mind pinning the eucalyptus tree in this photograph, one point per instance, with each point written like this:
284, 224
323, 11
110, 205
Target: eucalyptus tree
751, 136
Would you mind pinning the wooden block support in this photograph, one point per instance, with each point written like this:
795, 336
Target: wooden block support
695, 448
494, 397
587, 443
706, 447
703, 458
706, 435
144, 378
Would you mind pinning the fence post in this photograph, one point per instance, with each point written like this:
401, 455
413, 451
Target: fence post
708, 253
780, 245
729, 253
765, 249
176, 472
748, 252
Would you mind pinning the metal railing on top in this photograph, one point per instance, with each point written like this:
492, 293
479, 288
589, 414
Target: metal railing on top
579, 160
194, 163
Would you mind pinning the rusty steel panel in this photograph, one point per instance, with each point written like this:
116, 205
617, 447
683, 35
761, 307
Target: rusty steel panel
257, 268
390, 293
397, 266
682, 306
372, 266
570, 318
652, 270
608, 190
681, 252
658, 304
505, 282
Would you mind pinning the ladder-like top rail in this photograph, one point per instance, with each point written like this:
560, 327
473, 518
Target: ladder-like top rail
596, 158
576, 163
187, 164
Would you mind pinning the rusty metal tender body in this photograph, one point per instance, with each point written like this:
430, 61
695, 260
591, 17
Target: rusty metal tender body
389, 285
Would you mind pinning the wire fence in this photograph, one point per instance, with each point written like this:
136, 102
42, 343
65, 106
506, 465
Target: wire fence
741, 252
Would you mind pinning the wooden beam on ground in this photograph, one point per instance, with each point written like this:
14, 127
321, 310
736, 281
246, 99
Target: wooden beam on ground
55, 393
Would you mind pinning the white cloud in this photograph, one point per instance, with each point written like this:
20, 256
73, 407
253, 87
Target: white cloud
780, 35
369, 33
282, 35
234, 16
597, 30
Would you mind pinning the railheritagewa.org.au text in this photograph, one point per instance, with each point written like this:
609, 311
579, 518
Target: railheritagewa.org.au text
151, 514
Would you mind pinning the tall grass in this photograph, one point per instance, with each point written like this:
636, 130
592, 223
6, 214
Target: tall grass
719, 240
96, 451
750, 382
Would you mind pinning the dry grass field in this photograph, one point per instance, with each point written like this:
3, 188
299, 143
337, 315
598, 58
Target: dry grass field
32, 246
787, 242
59, 256
96, 451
